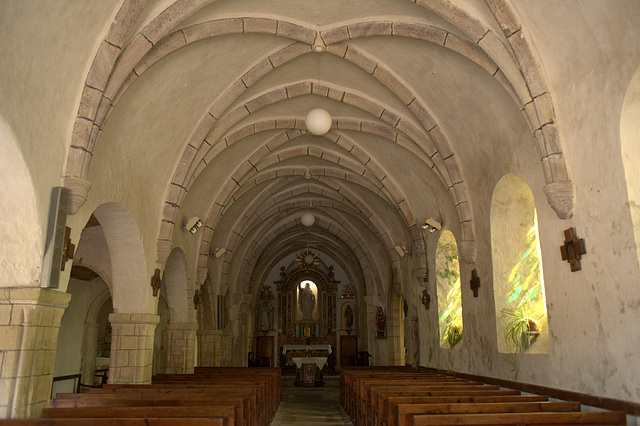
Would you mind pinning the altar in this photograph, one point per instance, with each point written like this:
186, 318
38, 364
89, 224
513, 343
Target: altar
309, 370
291, 351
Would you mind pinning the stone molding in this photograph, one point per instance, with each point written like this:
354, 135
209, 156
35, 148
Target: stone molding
78, 191
561, 197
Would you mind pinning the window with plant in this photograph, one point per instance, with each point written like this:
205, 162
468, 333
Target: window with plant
521, 314
449, 294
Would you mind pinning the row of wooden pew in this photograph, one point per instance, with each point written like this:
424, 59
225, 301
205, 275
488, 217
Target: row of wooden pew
224, 396
398, 396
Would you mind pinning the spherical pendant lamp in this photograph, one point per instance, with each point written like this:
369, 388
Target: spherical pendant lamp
318, 121
308, 219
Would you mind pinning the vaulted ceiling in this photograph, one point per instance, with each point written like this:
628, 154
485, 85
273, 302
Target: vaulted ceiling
198, 108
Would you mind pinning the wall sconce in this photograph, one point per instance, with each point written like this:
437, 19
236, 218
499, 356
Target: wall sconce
432, 225
193, 224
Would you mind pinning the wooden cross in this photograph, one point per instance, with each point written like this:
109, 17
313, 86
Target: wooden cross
475, 282
426, 299
156, 282
196, 299
572, 249
68, 249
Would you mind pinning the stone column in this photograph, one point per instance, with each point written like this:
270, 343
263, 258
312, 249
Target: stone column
90, 345
29, 325
180, 351
415, 341
132, 347
395, 339
209, 348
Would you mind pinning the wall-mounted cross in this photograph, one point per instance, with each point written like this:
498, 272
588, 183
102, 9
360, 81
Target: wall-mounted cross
475, 282
572, 249
156, 282
426, 299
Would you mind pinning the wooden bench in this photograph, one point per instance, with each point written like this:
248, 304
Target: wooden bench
554, 418
381, 411
262, 410
406, 412
391, 403
172, 421
242, 414
227, 413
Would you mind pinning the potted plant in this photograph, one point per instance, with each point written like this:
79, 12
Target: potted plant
523, 324
453, 331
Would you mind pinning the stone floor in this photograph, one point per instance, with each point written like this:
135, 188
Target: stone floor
310, 406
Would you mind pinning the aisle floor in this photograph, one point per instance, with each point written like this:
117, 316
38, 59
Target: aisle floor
310, 406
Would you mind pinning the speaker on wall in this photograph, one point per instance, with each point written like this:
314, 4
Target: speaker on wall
54, 245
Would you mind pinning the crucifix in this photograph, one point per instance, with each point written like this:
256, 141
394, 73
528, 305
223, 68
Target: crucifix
426, 299
156, 282
68, 248
572, 249
475, 282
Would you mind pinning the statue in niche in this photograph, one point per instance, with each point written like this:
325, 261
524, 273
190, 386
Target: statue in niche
348, 317
306, 302
381, 323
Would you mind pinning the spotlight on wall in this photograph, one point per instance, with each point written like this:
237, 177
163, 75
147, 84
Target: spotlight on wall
432, 225
402, 250
193, 224
218, 252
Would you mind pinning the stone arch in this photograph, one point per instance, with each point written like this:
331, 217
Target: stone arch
449, 294
177, 287
130, 281
518, 280
630, 145
20, 229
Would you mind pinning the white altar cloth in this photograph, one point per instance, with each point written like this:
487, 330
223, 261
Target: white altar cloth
319, 361
287, 348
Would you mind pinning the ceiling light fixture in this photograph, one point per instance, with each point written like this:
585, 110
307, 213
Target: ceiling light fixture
318, 121
308, 219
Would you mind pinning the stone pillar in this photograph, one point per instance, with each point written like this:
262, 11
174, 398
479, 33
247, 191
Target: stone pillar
209, 348
415, 341
29, 325
182, 343
395, 338
132, 347
90, 345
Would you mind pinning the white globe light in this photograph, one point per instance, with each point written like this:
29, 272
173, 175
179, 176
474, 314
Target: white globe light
308, 219
318, 121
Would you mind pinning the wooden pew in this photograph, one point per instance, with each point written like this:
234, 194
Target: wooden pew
115, 422
372, 390
225, 412
391, 403
382, 412
406, 412
554, 418
98, 401
257, 412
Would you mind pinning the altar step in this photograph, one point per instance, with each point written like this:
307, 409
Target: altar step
310, 406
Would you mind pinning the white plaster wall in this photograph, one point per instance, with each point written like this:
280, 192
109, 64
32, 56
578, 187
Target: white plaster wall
21, 230
40, 87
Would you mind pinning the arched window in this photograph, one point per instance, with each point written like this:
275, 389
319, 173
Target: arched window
518, 287
630, 141
449, 296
